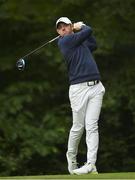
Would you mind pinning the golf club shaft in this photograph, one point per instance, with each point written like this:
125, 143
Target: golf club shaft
40, 47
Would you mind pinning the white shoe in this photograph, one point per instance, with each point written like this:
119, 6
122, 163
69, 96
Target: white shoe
72, 164
87, 168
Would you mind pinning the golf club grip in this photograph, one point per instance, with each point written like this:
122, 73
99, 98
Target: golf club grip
40, 47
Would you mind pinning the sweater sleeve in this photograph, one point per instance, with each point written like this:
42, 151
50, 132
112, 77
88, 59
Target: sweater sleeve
91, 43
76, 39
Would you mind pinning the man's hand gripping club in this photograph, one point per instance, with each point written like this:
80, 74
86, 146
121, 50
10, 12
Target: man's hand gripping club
77, 26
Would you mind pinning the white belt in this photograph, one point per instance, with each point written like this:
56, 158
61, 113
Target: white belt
88, 83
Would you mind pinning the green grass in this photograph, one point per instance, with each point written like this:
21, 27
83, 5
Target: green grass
129, 175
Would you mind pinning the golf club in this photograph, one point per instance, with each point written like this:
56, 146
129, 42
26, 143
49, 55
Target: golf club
21, 62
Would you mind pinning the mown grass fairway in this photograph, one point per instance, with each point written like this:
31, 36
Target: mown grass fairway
129, 175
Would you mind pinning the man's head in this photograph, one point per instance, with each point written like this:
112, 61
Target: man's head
64, 26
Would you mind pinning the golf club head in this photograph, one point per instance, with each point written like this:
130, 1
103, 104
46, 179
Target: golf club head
20, 64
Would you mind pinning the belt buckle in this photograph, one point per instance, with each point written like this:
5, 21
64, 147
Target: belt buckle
89, 83
94, 83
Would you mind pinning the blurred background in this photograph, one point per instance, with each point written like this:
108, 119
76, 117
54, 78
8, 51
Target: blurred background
35, 114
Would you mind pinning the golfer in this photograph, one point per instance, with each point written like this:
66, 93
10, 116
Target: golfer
86, 91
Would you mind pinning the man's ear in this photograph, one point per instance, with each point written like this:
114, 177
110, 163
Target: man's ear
57, 31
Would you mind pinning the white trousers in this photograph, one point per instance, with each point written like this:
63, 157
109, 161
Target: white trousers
86, 102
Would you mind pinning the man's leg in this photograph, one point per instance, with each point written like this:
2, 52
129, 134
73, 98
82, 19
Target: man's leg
91, 123
78, 105
74, 139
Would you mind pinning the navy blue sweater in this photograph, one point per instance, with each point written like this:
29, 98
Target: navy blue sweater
77, 50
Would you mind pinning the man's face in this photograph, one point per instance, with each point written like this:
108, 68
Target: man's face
64, 29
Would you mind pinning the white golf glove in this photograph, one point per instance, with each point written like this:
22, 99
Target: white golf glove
77, 26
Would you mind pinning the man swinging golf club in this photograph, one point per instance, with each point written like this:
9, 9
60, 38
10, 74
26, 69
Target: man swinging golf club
86, 91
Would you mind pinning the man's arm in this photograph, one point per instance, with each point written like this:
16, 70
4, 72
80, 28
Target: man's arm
77, 38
